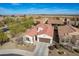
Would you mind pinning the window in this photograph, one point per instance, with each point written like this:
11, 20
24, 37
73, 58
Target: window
67, 41
27, 39
62, 40
77, 42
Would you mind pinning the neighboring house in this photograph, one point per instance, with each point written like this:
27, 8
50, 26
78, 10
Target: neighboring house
75, 40
55, 21
41, 20
75, 22
1, 18
63, 32
69, 36
66, 21
39, 33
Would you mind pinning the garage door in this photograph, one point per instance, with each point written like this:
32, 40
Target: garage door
44, 40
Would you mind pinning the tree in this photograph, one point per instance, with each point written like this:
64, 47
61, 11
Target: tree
1, 24
39, 17
31, 18
28, 22
3, 38
57, 18
19, 27
9, 20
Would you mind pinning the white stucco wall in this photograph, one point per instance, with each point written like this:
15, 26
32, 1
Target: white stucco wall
32, 39
44, 36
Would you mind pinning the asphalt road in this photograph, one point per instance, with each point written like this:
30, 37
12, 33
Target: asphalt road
10, 55
17, 52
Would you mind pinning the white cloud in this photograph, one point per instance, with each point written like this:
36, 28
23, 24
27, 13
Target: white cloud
51, 11
16, 4
38, 11
3, 9
6, 11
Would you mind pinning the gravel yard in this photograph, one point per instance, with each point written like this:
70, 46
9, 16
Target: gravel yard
61, 52
12, 45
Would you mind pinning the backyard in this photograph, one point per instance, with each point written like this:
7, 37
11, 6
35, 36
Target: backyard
15, 26
13, 45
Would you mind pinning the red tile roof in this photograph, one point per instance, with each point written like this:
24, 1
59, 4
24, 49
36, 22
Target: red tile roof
65, 30
47, 29
32, 31
55, 21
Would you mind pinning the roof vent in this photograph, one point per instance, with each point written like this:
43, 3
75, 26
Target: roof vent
39, 29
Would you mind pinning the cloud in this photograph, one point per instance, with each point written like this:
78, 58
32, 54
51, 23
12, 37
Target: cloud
6, 11
16, 4
38, 11
3, 9
51, 11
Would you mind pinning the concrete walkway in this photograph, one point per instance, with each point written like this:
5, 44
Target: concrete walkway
41, 49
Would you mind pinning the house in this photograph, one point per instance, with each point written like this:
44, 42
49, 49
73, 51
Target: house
69, 36
45, 33
40, 20
63, 32
1, 18
75, 38
67, 21
30, 35
39, 33
55, 21
75, 22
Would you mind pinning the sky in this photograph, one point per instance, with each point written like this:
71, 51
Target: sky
39, 8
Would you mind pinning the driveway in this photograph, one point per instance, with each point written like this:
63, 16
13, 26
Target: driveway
41, 49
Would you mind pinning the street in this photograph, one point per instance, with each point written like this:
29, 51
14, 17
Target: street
15, 51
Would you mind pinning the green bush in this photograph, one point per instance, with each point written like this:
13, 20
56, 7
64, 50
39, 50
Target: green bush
3, 38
